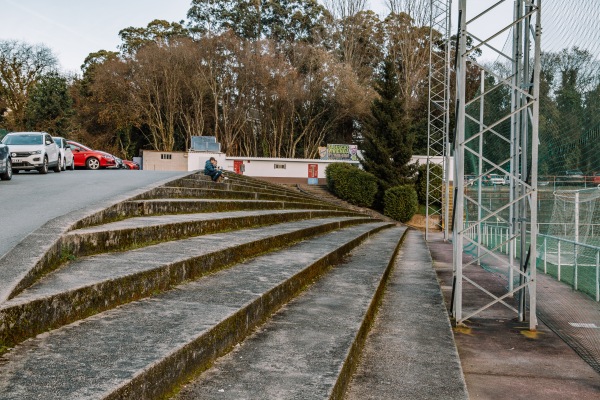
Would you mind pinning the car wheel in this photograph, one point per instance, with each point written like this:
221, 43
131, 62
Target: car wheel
58, 166
64, 164
7, 176
44, 168
92, 163
72, 165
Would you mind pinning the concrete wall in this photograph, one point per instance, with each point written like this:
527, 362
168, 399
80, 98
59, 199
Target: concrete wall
281, 170
279, 167
165, 161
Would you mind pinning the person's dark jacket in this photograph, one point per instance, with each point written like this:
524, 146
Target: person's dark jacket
209, 169
212, 171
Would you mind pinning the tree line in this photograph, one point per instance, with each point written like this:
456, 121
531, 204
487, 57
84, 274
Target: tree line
272, 79
280, 79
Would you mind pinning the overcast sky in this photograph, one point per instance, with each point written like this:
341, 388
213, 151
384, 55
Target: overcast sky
75, 28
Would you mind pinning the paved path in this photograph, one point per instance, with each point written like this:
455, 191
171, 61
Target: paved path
501, 358
410, 352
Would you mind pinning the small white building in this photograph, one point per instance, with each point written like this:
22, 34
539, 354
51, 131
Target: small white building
278, 170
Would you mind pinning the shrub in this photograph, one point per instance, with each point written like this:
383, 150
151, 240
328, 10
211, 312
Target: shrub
351, 184
335, 173
400, 203
435, 177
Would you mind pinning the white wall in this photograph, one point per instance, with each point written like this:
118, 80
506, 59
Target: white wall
294, 167
254, 166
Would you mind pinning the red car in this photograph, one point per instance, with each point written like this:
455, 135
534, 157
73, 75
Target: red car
83, 156
127, 164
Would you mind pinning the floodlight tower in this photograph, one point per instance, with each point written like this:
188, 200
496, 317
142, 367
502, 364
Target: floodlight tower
515, 155
438, 149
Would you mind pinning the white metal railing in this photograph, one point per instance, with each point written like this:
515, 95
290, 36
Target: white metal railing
555, 256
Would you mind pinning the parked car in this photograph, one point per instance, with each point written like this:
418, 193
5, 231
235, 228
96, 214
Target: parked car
128, 164
90, 159
471, 180
5, 163
593, 178
493, 179
32, 150
572, 177
66, 154
118, 162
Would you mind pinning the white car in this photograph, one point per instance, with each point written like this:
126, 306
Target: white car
32, 150
494, 180
66, 158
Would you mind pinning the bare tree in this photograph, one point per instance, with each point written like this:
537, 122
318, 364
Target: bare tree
357, 34
419, 10
408, 43
342, 9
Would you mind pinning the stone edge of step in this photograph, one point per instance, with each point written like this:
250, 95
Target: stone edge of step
51, 312
159, 379
44, 243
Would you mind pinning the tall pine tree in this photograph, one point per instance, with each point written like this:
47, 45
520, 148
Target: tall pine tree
387, 138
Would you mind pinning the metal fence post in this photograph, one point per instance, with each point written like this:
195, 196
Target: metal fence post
597, 275
545, 255
575, 268
559, 260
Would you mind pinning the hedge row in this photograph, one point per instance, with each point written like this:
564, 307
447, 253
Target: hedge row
351, 184
361, 188
401, 202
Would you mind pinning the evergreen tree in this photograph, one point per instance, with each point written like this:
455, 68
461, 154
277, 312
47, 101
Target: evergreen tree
387, 138
50, 106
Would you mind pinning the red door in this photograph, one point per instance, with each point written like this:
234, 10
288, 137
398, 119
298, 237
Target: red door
238, 167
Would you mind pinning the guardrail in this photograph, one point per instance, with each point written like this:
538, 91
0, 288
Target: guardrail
577, 264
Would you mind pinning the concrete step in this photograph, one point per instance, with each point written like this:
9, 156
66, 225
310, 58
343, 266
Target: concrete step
410, 352
310, 348
219, 203
89, 285
187, 206
141, 231
144, 349
169, 192
236, 185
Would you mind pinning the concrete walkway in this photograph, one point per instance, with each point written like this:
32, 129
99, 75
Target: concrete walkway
501, 358
410, 352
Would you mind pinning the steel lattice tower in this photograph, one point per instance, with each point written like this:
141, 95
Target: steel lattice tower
521, 162
437, 205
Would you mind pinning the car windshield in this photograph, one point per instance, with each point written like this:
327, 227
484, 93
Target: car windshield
80, 146
23, 139
58, 141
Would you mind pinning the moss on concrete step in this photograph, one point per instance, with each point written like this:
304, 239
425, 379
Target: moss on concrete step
24, 318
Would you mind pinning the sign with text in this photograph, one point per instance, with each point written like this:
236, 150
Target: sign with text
342, 152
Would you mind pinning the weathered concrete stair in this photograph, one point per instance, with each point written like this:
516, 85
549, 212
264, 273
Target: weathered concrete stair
145, 349
89, 285
96, 233
137, 299
310, 349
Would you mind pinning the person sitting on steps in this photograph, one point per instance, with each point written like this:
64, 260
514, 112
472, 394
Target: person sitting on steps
211, 169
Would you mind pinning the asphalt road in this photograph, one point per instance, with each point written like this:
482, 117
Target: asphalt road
29, 200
